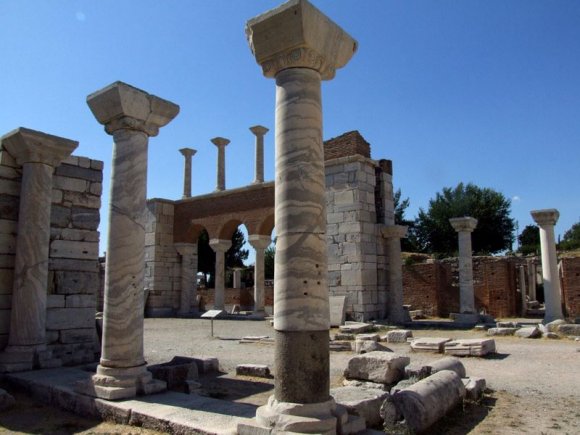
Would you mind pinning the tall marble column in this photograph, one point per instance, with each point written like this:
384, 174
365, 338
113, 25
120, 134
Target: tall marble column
259, 243
38, 154
259, 131
546, 219
522, 279
188, 253
464, 227
221, 144
188, 153
393, 234
131, 116
220, 246
299, 46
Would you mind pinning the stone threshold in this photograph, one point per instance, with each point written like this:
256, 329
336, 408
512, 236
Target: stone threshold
169, 412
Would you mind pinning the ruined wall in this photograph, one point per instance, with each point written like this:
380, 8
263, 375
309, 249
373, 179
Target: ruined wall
73, 257
421, 287
570, 274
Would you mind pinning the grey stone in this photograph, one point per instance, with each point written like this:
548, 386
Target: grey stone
507, 325
70, 318
337, 310
398, 336
368, 337
501, 331
85, 218
363, 402
255, 370
364, 384
60, 216
356, 327
344, 336
86, 335
176, 372
474, 388
404, 383
470, 347
380, 367
340, 346
429, 344
551, 335
76, 172
366, 346
554, 325
448, 363
76, 283
569, 329
417, 371
529, 332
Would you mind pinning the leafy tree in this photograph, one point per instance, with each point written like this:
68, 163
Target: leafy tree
235, 256
571, 238
529, 240
269, 256
408, 244
494, 232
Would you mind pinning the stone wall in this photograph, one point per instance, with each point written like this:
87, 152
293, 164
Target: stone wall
73, 279
570, 273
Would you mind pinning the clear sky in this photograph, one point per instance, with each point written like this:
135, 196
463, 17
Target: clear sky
452, 91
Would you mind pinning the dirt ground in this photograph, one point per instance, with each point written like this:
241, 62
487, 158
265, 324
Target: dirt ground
534, 384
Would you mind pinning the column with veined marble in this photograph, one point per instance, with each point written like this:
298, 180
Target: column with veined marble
522, 282
188, 253
464, 227
393, 235
546, 219
131, 116
221, 143
299, 46
220, 246
39, 154
259, 243
259, 131
187, 153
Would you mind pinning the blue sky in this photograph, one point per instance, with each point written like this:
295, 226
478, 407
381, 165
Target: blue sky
452, 91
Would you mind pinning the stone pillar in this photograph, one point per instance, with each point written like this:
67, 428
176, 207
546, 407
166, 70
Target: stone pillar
188, 253
259, 243
220, 247
188, 153
522, 279
237, 278
38, 154
546, 219
221, 144
532, 271
131, 116
299, 46
259, 131
393, 235
464, 227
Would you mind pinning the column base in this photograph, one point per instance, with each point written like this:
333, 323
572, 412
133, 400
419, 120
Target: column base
120, 383
400, 317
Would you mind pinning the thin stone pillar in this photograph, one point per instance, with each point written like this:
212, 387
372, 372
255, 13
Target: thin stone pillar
237, 278
38, 154
299, 46
188, 153
259, 243
221, 143
188, 253
259, 131
131, 116
464, 227
393, 235
546, 219
522, 279
532, 271
220, 247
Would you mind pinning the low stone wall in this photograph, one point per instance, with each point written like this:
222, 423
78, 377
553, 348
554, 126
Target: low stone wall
73, 279
570, 273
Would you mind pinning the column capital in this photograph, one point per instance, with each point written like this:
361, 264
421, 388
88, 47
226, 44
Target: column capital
394, 231
298, 35
221, 245
259, 241
31, 146
188, 152
120, 106
220, 141
259, 130
463, 224
184, 249
548, 216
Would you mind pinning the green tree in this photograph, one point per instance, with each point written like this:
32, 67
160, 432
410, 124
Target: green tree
408, 244
494, 232
235, 256
529, 240
571, 239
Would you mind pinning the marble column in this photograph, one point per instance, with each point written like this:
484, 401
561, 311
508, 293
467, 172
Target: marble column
532, 271
220, 246
237, 278
259, 131
299, 46
393, 235
188, 153
522, 279
131, 116
464, 227
221, 144
546, 219
188, 253
38, 154
260, 243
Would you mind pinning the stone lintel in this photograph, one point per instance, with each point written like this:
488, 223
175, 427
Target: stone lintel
188, 152
220, 141
259, 241
259, 130
221, 245
122, 106
31, 146
298, 35
185, 248
394, 231
463, 224
548, 216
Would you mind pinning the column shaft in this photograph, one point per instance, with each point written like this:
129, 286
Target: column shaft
187, 177
220, 271
259, 281
221, 168
550, 275
188, 278
397, 313
466, 292
522, 279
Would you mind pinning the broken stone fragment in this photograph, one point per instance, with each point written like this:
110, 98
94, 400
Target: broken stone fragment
381, 367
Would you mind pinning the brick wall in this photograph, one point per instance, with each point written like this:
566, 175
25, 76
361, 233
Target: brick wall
570, 274
347, 144
73, 255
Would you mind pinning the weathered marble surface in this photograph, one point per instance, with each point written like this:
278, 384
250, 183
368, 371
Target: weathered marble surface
187, 153
220, 247
38, 153
221, 143
259, 131
188, 253
464, 227
546, 219
393, 235
259, 243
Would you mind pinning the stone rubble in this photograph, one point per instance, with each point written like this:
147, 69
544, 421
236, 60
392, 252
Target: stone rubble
470, 347
429, 344
380, 367
397, 336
